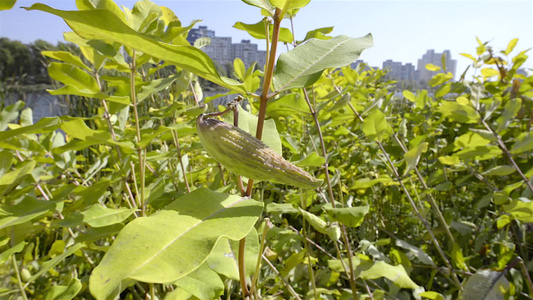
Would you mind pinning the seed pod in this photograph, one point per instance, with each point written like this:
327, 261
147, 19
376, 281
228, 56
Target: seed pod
245, 155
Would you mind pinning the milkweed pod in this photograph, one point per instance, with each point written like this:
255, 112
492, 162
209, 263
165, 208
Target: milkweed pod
245, 155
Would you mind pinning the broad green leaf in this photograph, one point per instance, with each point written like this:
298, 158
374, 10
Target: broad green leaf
294, 260
440, 78
443, 90
4, 256
432, 295
486, 285
510, 110
311, 160
98, 216
239, 68
11, 179
79, 130
469, 140
288, 105
524, 143
316, 222
396, 274
43, 126
449, 160
27, 210
520, 210
289, 4
458, 258
67, 57
7, 4
303, 65
367, 182
10, 114
415, 253
72, 90
468, 56
480, 152
225, 255
488, 72
349, 216
281, 208
203, 283
510, 46
93, 234
376, 127
257, 31
409, 95
457, 112
155, 86
248, 123
263, 4
100, 24
500, 171
432, 67
71, 75
413, 156
173, 242
319, 33
62, 292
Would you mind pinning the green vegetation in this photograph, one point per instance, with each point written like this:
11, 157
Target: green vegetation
425, 196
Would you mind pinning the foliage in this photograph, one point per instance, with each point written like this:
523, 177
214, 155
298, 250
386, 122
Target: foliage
425, 196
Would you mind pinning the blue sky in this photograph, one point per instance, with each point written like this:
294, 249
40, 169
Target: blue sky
402, 30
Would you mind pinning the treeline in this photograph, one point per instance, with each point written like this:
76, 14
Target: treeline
24, 64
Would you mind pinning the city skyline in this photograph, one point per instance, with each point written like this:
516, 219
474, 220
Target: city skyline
402, 30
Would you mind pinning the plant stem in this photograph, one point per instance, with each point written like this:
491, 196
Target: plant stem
502, 146
306, 247
140, 152
285, 283
19, 279
268, 225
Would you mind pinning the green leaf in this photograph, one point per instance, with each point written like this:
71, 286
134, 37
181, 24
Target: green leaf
224, 258
319, 33
61, 292
432, 67
7, 4
440, 79
72, 75
468, 56
485, 285
72, 90
281, 208
511, 109
367, 182
524, 143
43, 126
449, 160
98, 216
263, 4
239, 68
415, 252
510, 46
412, 157
257, 31
248, 123
316, 222
409, 95
376, 127
100, 24
10, 114
4, 256
480, 152
12, 178
303, 65
488, 72
287, 105
349, 216
67, 57
520, 210
203, 283
432, 295
27, 210
458, 258
458, 112
155, 86
78, 129
311, 160
396, 274
500, 171
173, 242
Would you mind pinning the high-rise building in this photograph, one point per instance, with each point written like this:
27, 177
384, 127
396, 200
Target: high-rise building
223, 51
430, 57
399, 71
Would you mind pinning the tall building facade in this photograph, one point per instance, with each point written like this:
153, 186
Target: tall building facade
431, 57
223, 51
399, 71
